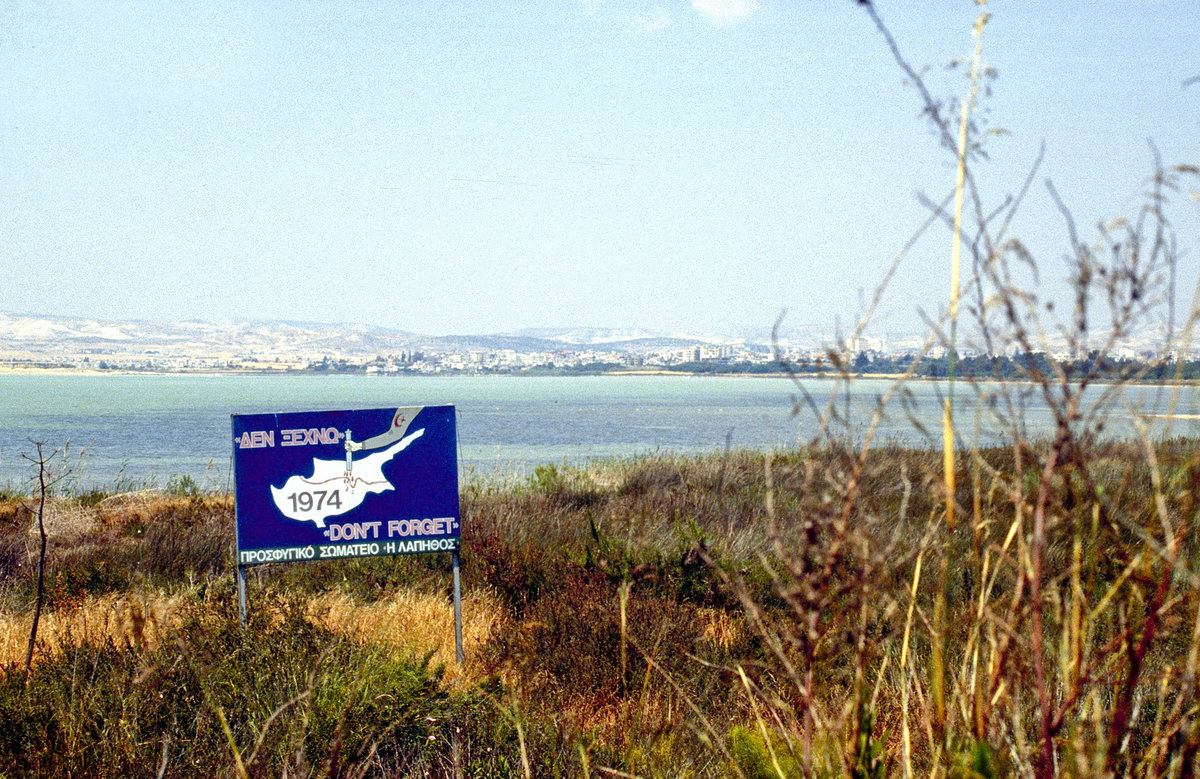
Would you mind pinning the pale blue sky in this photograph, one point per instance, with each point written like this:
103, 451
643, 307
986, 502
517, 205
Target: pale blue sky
460, 167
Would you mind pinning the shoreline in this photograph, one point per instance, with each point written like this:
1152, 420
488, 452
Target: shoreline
7, 370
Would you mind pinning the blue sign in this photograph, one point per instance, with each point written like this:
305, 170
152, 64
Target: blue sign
334, 484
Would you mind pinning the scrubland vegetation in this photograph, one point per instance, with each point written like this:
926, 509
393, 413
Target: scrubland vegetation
808, 613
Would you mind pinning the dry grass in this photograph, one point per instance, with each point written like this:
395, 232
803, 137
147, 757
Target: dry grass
722, 629
418, 622
118, 518
68, 518
137, 620
413, 621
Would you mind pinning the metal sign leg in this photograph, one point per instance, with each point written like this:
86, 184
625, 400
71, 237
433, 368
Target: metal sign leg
458, 642
241, 585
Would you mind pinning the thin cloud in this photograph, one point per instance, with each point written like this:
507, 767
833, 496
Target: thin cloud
723, 13
659, 20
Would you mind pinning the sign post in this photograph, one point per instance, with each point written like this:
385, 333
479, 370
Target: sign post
329, 485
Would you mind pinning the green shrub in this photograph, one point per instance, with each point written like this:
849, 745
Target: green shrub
757, 759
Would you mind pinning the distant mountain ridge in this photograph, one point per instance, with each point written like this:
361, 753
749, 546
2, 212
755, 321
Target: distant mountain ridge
48, 335
586, 335
36, 338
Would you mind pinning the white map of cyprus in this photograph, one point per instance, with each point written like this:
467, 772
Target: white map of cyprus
332, 490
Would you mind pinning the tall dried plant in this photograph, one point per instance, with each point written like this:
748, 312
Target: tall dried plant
1061, 630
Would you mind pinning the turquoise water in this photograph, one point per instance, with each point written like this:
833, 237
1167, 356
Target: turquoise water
150, 428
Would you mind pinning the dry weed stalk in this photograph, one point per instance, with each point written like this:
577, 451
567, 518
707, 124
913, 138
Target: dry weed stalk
48, 475
1055, 635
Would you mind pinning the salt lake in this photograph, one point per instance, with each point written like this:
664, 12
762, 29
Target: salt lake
139, 429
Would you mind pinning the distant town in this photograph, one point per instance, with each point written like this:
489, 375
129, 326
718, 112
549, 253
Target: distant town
30, 342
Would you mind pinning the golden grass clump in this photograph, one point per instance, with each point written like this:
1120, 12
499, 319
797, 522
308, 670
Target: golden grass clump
721, 629
138, 620
419, 622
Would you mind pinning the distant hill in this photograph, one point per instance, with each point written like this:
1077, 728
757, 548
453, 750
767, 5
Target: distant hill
35, 336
